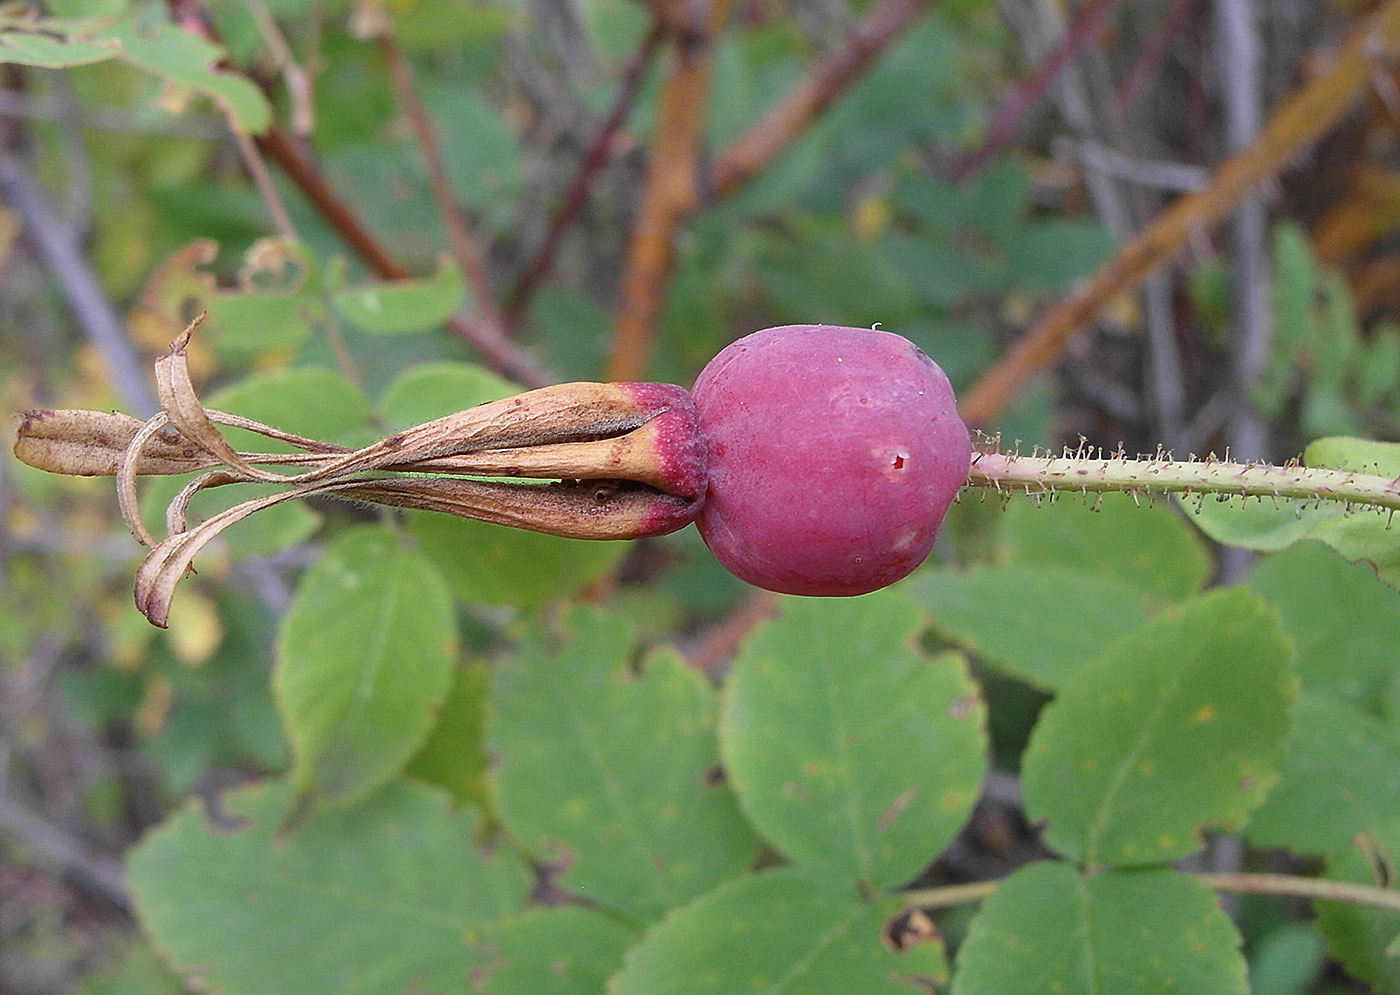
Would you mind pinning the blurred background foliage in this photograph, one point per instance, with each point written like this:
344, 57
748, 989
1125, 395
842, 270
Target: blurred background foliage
901, 205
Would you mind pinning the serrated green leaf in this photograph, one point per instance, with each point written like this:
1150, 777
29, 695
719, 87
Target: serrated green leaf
1177, 726
454, 755
377, 897
848, 748
364, 660
1036, 623
397, 306
1047, 930
611, 772
1361, 535
1345, 627
564, 950
432, 390
1338, 777
1150, 546
184, 58
793, 930
490, 564
1361, 938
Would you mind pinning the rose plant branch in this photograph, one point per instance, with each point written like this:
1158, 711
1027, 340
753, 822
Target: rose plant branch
814, 460
1088, 473
1318, 889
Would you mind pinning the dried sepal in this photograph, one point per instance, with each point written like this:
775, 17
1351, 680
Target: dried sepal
168, 563
626, 461
91, 444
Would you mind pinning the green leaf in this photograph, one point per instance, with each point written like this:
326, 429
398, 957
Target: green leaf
1287, 960
51, 43
359, 901
432, 390
397, 306
1361, 938
494, 565
1349, 653
365, 657
849, 749
793, 930
1048, 256
1047, 930
137, 971
454, 755
611, 772
184, 58
1151, 547
310, 401
1037, 623
1360, 535
1339, 777
1175, 727
274, 306
433, 24
564, 950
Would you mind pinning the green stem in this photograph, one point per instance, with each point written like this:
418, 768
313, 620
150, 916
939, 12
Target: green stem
1318, 888
1321, 889
1009, 473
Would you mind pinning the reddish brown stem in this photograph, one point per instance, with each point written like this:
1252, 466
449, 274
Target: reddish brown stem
1299, 122
1087, 23
577, 194
670, 195
1154, 51
284, 150
754, 150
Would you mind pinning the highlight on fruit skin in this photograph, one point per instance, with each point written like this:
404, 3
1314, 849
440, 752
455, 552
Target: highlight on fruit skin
834, 454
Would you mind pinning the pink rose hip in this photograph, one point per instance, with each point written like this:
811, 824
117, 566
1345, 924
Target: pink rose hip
834, 454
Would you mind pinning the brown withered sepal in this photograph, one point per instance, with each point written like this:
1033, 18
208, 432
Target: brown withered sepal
607, 461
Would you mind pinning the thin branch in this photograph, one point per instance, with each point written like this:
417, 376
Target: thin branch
1088, 21
79, 284
577, 194
1305, 117
489, 342
464, 245
1318, 889
754, 150
285, 150
718, 644
295, 78
257, 169
1153, 53
670, 195
97, 875
486, 338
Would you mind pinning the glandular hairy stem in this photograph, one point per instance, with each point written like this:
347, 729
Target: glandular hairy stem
1010, 473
